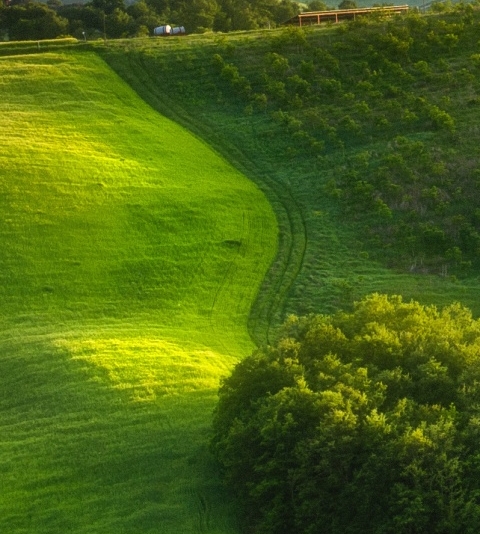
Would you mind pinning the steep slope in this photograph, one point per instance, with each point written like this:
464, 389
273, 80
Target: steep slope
363, 135
131, 254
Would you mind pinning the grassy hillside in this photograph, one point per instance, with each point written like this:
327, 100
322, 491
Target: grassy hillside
362, 136
131, 254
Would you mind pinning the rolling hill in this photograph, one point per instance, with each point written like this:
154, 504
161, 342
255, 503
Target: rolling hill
131, 254
361, 135
138, 265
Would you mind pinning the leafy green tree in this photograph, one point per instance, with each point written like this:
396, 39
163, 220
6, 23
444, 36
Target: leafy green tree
118, 23
358, 422
195, 15
284, 10
252, 14
107, 6
317, 5
144, 16
161, 7
238, 15
347, 4
82, 18
32, 21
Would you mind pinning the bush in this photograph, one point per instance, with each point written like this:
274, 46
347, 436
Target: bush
359, 422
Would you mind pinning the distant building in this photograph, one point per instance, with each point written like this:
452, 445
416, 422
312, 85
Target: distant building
310, 18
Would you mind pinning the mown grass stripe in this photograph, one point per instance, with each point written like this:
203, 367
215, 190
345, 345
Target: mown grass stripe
123, 303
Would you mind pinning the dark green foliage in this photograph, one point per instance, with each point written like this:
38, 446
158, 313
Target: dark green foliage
359, 422
107, 6
392, 90
316, 116
143, 17
113, 19
32, 21
252, 14
347, 4
317, 5
415, 182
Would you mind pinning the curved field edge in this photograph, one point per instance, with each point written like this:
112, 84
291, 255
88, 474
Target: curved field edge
323, 264
267, 311
131, 257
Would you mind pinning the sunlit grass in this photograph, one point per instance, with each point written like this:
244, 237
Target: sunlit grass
149, 368
324, 260
131, 255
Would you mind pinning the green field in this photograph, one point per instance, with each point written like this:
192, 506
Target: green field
159, 220
131, 255
324, 260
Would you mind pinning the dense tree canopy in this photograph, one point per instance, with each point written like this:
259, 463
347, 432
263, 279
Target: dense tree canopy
114, 19
362, 422
32, 21
348, 4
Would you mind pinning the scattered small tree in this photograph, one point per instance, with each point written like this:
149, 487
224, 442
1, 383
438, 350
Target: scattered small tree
347, 4
317, 5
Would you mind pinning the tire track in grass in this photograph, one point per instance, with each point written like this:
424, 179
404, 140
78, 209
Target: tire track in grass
267, 309
202, 512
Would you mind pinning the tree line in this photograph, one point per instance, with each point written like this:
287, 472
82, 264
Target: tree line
114, 19
358, 422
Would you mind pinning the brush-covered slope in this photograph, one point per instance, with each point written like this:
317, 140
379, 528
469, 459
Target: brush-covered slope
131, 255
364, 135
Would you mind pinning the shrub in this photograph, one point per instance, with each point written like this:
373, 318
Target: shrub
358, 422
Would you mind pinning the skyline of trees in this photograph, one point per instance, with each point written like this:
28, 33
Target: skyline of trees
25, 20
116, 19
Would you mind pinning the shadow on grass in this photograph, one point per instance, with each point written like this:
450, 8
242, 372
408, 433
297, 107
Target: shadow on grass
78, 456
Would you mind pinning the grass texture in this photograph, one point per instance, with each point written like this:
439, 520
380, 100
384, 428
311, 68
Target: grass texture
131, 255
323, 264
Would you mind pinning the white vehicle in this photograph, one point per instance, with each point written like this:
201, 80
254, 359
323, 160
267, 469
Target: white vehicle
163, 30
